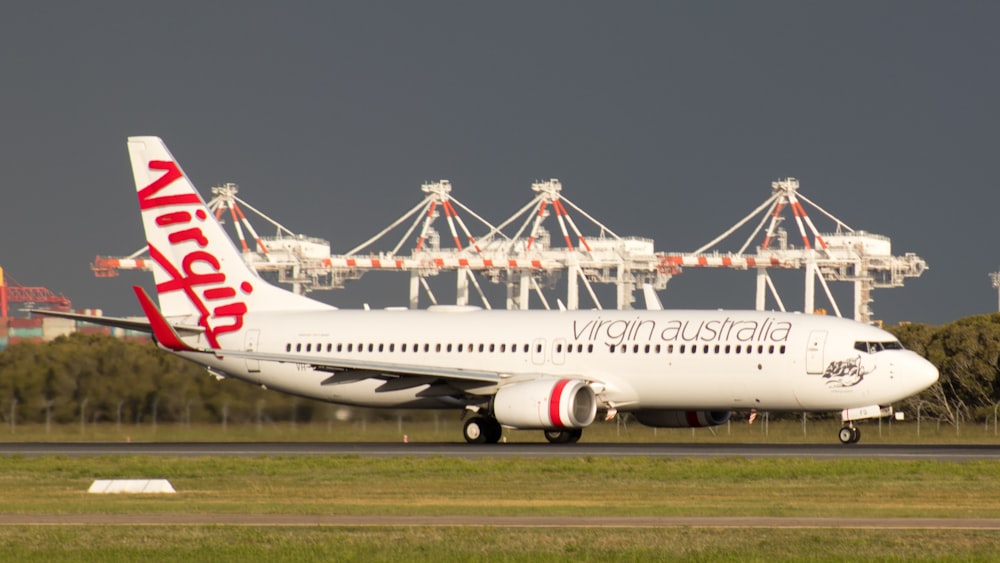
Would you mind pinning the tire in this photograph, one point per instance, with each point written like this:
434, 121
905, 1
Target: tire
493, 430
846, 435
555, 436
563, 436
857, 435
475, 430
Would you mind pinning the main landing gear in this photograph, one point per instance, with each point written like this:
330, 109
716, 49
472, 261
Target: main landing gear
849, 435
486, 430
563, 436
482, 430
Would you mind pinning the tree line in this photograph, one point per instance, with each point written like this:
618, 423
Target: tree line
98, 378
967, 355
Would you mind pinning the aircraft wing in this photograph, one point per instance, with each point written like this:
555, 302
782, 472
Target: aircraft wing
338, 368
371, 369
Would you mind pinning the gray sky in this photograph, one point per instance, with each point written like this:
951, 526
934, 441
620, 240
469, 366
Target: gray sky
663, 119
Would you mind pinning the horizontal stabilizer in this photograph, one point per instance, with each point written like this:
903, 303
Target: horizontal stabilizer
138, 324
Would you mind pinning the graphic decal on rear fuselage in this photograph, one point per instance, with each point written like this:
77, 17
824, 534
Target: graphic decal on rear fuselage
845, 373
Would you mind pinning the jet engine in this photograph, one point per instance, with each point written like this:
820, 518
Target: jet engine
545, 404
682, 419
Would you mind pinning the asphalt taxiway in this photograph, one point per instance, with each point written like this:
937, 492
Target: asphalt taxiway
462, 450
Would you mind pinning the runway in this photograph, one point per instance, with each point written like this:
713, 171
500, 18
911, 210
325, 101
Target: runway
461, 450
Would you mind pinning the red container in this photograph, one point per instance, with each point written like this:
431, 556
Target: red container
34, 322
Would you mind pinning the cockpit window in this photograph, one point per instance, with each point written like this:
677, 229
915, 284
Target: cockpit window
873, 347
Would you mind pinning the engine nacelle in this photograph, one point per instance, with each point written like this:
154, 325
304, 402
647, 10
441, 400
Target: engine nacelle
682, 419
545, 404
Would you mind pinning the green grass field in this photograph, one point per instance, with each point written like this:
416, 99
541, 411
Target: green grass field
592, 486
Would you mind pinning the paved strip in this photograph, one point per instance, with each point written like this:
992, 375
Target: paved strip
373, 449
333, 520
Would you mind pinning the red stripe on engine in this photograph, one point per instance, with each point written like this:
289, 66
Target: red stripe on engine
554, 400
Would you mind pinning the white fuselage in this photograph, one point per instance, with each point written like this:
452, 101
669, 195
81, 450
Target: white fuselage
635, 360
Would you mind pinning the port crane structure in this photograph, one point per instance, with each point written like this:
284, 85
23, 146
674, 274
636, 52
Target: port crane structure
532, 259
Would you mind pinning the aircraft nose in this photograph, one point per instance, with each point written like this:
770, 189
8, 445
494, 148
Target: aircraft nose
922, 373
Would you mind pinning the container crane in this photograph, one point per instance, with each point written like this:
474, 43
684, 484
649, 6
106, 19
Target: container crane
11, 291
843, 255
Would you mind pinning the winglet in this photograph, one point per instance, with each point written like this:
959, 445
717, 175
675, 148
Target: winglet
162, 331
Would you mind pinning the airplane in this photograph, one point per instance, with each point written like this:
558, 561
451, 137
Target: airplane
553, 371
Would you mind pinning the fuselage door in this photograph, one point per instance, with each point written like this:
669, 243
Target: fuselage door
250, 344
814, 352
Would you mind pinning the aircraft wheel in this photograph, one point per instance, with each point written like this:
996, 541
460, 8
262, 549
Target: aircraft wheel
856, 435
847, 434
563, 436
493, 430
476, 430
